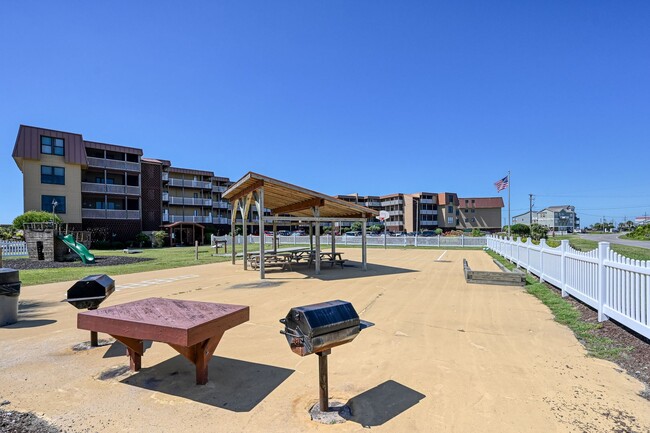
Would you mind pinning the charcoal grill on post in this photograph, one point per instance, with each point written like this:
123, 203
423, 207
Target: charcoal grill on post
317, 328
88, 293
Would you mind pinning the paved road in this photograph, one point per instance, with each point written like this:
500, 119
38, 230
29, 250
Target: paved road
614, 239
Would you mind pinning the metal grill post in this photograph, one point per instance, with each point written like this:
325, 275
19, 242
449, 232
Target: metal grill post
322, 380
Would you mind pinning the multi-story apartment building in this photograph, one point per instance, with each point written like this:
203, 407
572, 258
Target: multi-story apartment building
429, 211
97, 185
557, 218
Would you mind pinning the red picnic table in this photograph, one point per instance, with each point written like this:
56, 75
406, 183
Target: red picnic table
192, 328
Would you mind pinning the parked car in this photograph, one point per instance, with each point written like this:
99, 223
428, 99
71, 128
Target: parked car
428, 233
353, 233
400, 234
284, 233
298, 233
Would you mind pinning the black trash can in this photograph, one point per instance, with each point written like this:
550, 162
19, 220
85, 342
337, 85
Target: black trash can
9, 292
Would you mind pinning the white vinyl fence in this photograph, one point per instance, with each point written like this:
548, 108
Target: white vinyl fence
618, 287
13, 248
399, 241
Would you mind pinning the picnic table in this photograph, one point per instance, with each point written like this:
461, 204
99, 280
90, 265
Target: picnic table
328, 257
192, 328
219, 243
271, 259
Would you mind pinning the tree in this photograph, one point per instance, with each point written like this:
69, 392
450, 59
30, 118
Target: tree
34, 216
159, 238
356, 226
375, 228
520, 230
538, 232
438, 231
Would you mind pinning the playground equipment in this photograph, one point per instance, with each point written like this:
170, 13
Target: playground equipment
52, 242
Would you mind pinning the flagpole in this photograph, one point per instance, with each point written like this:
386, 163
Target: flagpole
509, 219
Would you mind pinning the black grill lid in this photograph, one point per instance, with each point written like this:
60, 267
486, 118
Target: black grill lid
322, 318
90, 291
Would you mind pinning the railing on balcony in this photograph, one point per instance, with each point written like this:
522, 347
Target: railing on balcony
109, 188
393, 202
428, 223
190, 183
179, 201
220, 220
165, 196
371, 204
220, 204
113, 164
110, 214
165, 217
426, 201
190, 219
428, 212
217, 188
165, 176
395, 212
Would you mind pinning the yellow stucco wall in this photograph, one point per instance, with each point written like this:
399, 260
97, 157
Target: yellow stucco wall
33, 189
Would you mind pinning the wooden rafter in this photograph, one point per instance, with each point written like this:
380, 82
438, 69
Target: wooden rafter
302, 205
244, 192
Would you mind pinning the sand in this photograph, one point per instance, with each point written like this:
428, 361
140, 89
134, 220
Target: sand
443, 356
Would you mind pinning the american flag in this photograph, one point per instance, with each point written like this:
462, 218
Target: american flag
502, 184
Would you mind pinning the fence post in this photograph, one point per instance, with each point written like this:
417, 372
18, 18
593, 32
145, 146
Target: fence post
603, 252
563, 246
438, 241
416, 240
462, 240
542, 244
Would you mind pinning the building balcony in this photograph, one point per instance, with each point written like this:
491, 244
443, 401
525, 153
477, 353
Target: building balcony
397, 202
190, 183
113, 164
394, 223
428, 223
218, 188
395, 212
220, 220
427, 201
190, 201
165, 176
165, 196
103, 188
190, 219
110, 214
428, 212
220, 204
165, 218
372, 204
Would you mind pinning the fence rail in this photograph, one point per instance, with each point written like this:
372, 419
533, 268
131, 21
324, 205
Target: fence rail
617, 287
13, 249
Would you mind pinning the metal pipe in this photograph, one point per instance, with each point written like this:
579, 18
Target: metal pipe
322, 380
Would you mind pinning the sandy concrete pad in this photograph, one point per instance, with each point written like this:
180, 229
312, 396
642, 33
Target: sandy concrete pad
443, 356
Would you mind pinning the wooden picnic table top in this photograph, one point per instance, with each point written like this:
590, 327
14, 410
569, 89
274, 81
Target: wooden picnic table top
172, 321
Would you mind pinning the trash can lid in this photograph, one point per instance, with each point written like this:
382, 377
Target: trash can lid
8, 276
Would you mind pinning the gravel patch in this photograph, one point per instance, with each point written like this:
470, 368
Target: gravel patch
25, 264
24, 422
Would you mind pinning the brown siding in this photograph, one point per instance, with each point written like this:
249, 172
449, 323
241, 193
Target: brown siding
190, 171
124, 230
28, 144
113, 147
151, 188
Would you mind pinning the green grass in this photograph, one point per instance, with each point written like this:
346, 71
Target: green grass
581, 244
596, 345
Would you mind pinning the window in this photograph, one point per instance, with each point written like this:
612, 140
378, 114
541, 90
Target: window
450, 220
473, 210
47, 203
52, 146
450, 209
53, 175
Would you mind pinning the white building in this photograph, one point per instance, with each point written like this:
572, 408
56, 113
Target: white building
556, 218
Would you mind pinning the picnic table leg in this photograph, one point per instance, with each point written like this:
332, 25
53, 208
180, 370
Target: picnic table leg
134, 349
199, 355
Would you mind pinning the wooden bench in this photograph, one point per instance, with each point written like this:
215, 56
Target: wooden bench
192, 328
279, 260
499, 278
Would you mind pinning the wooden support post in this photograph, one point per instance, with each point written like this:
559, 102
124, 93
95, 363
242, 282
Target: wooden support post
94, 341
196, 249
363, 245
233, 228
260, 213
134, 349
333, 233
316, 212
275, 236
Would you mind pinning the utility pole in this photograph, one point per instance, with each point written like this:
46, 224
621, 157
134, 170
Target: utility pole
530, 211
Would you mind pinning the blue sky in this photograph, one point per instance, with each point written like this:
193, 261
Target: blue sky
371, 97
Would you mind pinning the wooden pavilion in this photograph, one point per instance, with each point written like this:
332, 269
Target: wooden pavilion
290, 204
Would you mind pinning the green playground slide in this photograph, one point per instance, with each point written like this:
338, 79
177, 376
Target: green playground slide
86, 256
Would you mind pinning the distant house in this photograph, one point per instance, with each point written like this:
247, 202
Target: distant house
556, 218
642, 220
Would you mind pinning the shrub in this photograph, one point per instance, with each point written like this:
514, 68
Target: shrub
438, 231
34, 216
159, 238
476, 233
520, 230
142, 240
641, 233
